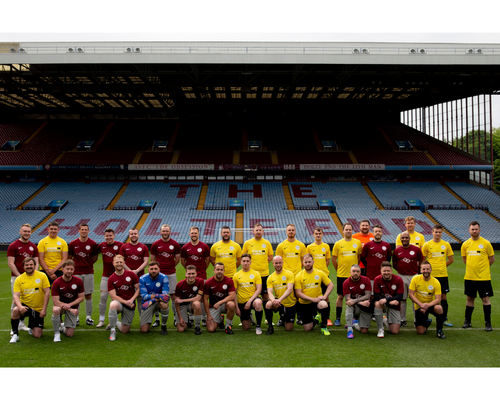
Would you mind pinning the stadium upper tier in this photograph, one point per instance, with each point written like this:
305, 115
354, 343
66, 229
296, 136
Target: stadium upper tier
14, 194
11, 221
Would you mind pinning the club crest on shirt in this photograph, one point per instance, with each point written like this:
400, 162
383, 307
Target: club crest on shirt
58, 243
31, 248
354, 245
224, 287
199, 250
128, 279
384, 248
158, 284
443, 247
393, 287
283, 278
73, 286
263, 245
480, 246
251, 276
316, 277
430, 287
297, 247
362, 286
37, 280
171, 247
231, 248
139, 249
412, 252
195, 288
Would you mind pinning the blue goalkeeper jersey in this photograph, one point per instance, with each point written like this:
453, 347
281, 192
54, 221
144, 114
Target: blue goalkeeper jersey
151, 287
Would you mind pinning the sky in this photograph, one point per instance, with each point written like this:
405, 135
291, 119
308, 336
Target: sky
258, 20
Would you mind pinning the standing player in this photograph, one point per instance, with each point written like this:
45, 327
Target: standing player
123, 288
154, 288
416, 239
406, 260
227, 252
281, 282
188, 295
52, 252
167, 252
292, 251
311, 300
388, 292
322, 256
346, 253
31, 297
16, 253
425, 292
478, 256
248, 285
440, 256
219, 296
84, 252
67, 293
374, 253
364, 236
357, 292
109, 249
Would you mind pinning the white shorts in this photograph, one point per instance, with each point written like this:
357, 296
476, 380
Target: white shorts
88, 283
216, 314
172, 283
406, 283
104, 284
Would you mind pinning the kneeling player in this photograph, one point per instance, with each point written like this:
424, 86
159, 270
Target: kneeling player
123, 288
219, 297
425, 292
188, 295
311, 300
281, 283
358, 292
388, 292
67, 292
154, 287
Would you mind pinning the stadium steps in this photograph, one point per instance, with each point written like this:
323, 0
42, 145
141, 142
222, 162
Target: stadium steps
173, 138
492, 216
32, 196
236, 157
387, 138
469, 207
337, 221
30, 137
139, 225
436, 222
117, 197
319, 146
238, 237
175, 157
45, 221
103, 136
430, 157
137, 157
288, 197
274, 157
353, 158
373, 197
203, 197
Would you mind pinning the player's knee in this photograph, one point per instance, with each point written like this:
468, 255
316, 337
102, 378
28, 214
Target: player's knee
230, 305
163, 305
288, 327
196, 306
69, 333
115, 305
364, 330
322, 305
15, 313
37, 333
145, 328
257, 304
56, 311
377, 305
438, 309
180, 328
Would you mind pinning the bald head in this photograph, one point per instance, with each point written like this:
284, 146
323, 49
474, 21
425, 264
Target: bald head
278, 264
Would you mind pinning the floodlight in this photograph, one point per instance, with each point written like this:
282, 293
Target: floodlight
22, 50
70, 50
13, 50
422, 51
137, 50
128, 50
479, 51
365, 51
413, 51
80, 50
355, 51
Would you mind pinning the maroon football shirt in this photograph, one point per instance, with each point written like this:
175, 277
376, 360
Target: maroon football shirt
20, 251
375, 253
357, 289
165, 253
407, 261
195, 255
67, 291
389, 288
134, 255
218, 291
123, 284
183, 290
83, 253
108, 252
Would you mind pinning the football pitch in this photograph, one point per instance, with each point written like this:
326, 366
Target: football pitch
90, 346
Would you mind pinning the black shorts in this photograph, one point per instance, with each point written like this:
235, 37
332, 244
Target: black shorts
340, 285
264, 285
421, 318
245, 314
35, 320
287, 314
323, 288
58, 274
472, 288
445, 286
308, 312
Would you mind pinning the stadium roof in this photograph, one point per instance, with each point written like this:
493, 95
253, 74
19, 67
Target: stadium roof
173, 77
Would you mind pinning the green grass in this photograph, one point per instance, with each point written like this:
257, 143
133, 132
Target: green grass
90, 347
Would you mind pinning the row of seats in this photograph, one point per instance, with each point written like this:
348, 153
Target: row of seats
458, 223
15, 193
11, 221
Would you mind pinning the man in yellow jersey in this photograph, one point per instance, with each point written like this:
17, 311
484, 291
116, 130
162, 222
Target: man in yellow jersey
478, 257
227, 252
281, 296
292, 251
425, 292
416, 239
248, 285
440, 255
322, 256
31, 298
52, 252
364, 236
346, 253
311, 300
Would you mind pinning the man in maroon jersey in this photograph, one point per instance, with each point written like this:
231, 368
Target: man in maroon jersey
388, 292
16, 253
109, 248
84, 252
67, 293
188, 295
198, 254
219, 296
406, 260
167, 252
123, 288
374, 253
357, 292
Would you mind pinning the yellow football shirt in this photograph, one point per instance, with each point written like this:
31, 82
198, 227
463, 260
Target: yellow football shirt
292, 253
310, 283
437, 254
52, 249
347, 255
226, 253
416, 239
425, 292
246, 283
477, 267
31, 289
260, 250
320, 253
279, 283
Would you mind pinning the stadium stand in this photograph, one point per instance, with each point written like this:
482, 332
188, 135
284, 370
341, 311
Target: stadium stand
17, 131
257, 195
255, 157
156, 157
477, 197
14, 194
11, 221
